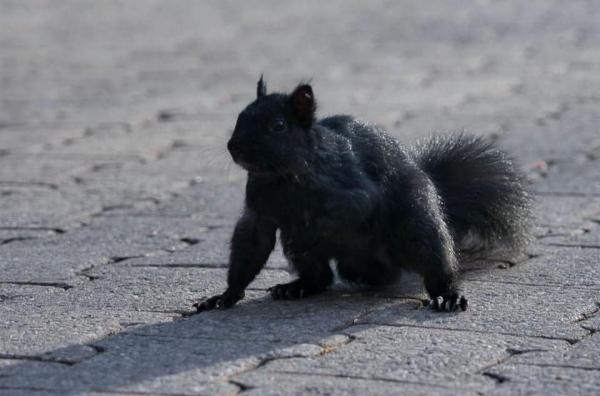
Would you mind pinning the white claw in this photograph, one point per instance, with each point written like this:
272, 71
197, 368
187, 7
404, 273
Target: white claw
439, 301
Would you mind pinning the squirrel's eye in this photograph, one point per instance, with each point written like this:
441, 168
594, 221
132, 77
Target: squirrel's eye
278, 124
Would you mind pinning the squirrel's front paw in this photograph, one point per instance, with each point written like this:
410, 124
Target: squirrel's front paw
451, 303
291, 291
221, 301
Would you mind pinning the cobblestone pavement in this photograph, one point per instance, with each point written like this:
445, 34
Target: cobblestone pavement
117, 197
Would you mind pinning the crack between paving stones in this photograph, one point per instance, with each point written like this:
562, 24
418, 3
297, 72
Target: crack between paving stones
591, 331
119, 259
587, 315
498, 378
133, 333
195, 265
107, 261
560, 285
241, 386
15, 239
49, 359
366, 378
132, 392
182, 265
557, 366
143, 215
546, 236
190, 241
328, 348
10, 183
565, 194
570, 341
99, 349
31, 389
265, 360
179, 312
567, 227
571, 245
37, 359
106, 209
89, 277
108, 391
357, 320
199, 337
60, 285
4, 297
53, 229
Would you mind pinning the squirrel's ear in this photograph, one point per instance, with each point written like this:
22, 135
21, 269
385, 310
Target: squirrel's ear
261, 88
303, 102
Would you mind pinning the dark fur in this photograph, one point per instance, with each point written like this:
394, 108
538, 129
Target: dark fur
343, 190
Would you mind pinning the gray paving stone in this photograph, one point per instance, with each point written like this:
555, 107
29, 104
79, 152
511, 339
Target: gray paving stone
161, 289
211, 250
575, 178
43, 208
129, 363
26, 261
589, 239
13, 382
64, 327
36, 168
37, 321
583, 355
566, 212
547, 312
527, 379
274, 383
559, 267
260, 318
430, 356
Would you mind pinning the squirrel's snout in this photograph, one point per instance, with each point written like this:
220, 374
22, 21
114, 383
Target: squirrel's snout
241, 153
234, 147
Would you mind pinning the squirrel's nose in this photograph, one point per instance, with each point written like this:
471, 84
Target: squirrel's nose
234, 147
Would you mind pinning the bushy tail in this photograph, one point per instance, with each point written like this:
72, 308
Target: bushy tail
484, 195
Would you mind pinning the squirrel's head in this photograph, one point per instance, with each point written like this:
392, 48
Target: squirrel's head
271, 134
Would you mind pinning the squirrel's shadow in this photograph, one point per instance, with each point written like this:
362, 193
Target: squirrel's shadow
206, 347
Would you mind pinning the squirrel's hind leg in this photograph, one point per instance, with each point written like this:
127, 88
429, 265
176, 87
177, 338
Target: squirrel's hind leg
301, 287
428, 247
311, 262
365, 270
314, 278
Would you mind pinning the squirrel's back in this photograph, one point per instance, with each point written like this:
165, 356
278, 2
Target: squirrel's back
484, 196
379, 153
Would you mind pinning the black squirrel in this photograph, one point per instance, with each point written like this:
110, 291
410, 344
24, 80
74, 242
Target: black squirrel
342, 190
